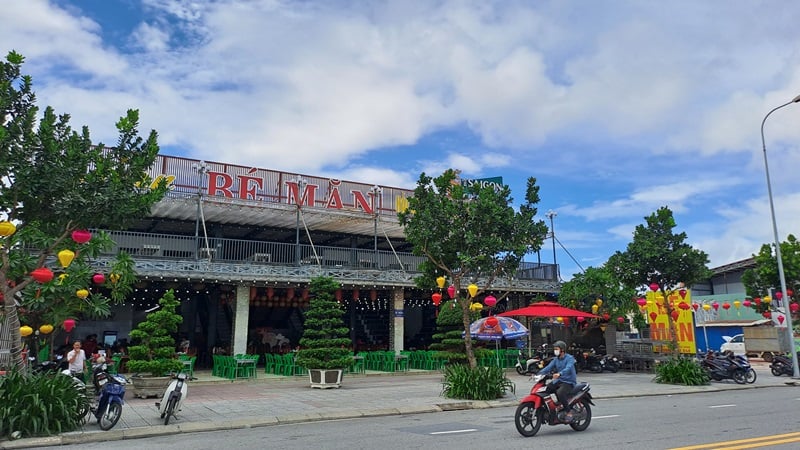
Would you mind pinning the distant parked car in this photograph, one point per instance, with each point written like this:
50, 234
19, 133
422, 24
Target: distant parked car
734, 344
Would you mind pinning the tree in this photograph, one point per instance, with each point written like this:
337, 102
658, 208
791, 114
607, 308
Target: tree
53, 182
324, 342
154, 349
583, 290
658, 255
470, 235
759, 280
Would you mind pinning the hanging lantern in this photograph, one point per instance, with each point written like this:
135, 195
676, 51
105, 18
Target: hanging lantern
98, 278
82, 293
653, 316
472, 289
81, 236
490, 301
599, 302
641, 302
356, 294
491, 321
289, 293
373, 295
440, 281
114, 277
46, 329
767, 314
757, 300
25, 331
779, 295
747, 303
726, 306
594, 309
476, 306
695, 306
706, 307
65, 257
451, 291
7, 229
581, 318
682, 293
304, 294
437, 298
338, 295
560, 319
621, 319
715, 305
606, 316
767, 299
653, 287
737, 304
69, 324
42, 275
790, 293
674, 314
794, 307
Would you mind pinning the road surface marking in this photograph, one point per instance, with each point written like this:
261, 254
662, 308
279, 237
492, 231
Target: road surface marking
467, 430
722, 406
762, 441
610, 416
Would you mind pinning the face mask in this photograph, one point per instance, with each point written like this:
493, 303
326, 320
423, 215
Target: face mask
557, 352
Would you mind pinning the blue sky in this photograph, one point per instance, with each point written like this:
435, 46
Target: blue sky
616, 107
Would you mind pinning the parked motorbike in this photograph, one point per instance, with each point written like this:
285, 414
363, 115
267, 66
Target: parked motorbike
539, 407
610, 363
587, 360
531, 366
110, 391
728, 366
782, 365
173, 397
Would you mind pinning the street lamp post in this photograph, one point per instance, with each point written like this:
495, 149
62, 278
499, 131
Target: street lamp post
201, 169
781, 275
301, 187
376, 192
550, 215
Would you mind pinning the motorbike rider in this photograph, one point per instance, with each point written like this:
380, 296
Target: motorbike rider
564, 377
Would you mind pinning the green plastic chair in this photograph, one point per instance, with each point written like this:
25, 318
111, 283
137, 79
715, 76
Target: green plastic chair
269, 363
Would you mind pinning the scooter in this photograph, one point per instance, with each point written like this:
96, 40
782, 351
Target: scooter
610, 363
782, 365
173, 398
110, 395
540, 407
533, 365
728, 366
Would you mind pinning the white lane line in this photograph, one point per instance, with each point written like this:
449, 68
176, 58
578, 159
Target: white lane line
468, 430
610, 416
722, 406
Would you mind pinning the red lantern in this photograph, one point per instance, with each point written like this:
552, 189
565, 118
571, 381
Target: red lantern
581, 318
757, 300
620, 319
304, 294
81, 236
767, 314
42, 275
715, 305
653, 287
674, 314
490, 300
794, 307
641, 302
606, 316
491, 321
684, 306
451, 291
437, 298
653, 316
726, 306
69, 324
98, 278
789, 292
682, 293
696, 306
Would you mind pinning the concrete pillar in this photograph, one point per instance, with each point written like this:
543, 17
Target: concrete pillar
397, 323
241, 318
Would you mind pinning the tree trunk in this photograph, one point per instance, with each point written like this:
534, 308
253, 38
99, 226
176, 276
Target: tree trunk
14, 339
465, 303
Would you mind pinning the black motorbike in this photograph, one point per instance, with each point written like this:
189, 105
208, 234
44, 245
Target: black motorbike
782, 365
610, 363
587, 360
728, 366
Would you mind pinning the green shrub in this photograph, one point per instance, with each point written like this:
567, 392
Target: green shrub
40, 404
681, 371
324, 344
154, 352
480, 383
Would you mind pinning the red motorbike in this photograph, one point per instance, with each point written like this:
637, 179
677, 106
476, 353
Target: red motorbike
539, 407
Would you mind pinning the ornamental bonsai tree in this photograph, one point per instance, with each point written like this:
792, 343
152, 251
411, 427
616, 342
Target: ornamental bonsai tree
324, 344
154, 352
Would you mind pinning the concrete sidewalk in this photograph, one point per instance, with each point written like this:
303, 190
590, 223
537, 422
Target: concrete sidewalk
218, 404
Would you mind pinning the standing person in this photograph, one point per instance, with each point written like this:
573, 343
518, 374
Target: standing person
77, 361
564, 377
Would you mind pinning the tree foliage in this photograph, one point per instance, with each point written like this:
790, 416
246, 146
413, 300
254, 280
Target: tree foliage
759, 280
324, 344
470, 236
659, 255
54, 181
583, 290
153, 351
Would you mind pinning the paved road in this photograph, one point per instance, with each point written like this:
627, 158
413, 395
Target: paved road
216, 404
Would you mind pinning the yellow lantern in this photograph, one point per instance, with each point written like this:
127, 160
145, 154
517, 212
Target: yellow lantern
7, 229
472, 289
560, 319
440, 282
599, 302
476, 306
82, 293
65, 257
114, 277
737, 304
594, 309
706, 307
46, 329
25, 331
767, 299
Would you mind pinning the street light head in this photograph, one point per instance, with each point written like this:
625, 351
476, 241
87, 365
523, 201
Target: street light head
796, 99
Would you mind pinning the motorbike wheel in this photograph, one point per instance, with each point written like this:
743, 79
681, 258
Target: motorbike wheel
613, 367
110, 416
170, 410
776, 370
582, 412
739, 376
528, 419
520, 370
750, 376
596, 368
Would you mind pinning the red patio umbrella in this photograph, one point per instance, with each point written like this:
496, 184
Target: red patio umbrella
547, 309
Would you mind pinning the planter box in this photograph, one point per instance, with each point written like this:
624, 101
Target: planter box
325, 379
144, 387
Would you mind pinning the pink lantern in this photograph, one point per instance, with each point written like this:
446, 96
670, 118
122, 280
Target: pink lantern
779, 295
98, 278
641, 302
653, 287
747, 303
490, 301
581, 318
69, 324
794, 307
81, 236
620, 319
451, 291
715, 305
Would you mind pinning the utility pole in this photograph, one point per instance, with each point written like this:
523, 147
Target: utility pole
551, 215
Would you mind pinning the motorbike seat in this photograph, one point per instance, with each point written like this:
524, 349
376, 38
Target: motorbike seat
578, 387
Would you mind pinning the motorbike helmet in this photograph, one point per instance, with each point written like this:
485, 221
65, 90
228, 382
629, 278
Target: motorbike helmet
562, 345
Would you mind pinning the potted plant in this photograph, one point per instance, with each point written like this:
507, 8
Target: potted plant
153, 357
324, 346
